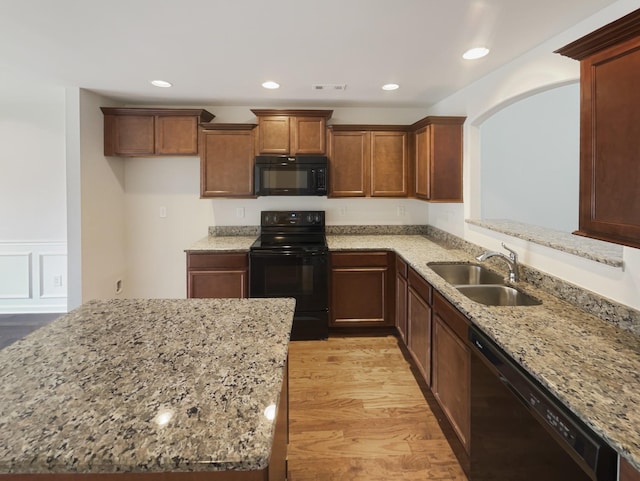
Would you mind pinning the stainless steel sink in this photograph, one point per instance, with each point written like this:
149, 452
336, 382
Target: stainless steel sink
497, 295
463, 274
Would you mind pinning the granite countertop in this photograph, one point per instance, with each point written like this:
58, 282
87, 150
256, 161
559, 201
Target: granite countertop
223, 244
145, 386
592, 366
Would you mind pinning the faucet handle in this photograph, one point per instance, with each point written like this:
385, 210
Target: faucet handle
513, 254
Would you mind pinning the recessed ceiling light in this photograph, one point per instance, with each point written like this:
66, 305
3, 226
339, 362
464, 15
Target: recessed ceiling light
161, 83
474, 53
390, 87
271, 85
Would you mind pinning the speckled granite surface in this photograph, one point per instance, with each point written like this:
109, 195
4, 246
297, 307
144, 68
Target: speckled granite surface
592, 366
223, 244
145, 385
604, 252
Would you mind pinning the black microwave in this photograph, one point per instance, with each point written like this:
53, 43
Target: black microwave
287, 175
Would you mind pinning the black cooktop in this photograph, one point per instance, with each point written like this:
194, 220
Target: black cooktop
286, 230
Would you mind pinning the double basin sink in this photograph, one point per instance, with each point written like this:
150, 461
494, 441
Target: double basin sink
482, 285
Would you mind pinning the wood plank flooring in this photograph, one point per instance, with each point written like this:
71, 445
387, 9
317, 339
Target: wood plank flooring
357, 413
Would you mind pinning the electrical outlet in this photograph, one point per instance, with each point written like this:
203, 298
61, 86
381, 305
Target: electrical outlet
400, 211
239, 212
343, 211
57, 281
163, 212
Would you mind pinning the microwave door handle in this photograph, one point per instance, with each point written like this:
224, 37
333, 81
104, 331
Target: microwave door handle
314, 178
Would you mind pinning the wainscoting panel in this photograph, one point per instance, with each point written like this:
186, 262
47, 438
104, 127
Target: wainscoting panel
15, 277
33, 277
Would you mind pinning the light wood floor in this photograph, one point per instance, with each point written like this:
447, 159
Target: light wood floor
357, 413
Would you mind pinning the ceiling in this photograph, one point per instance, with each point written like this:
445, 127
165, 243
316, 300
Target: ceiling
219, 52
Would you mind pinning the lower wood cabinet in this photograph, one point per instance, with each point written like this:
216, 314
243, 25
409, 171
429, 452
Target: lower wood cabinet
217, 275
361, 289
628, 472
451, 382
402, 286
419, 323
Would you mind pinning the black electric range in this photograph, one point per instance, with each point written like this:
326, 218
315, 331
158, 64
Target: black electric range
290, 259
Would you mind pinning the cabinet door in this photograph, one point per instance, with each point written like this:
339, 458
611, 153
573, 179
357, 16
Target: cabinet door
438, 160
419, 332
628, 472
348, 163
218, 283
217, 275
452, 378
308, 136
445, 167
422, 156
401, 298
389, 164
610, 129
361, 292
132, 135
274, 134
226, 163
176, 135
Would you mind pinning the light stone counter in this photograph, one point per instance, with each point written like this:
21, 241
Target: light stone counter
223, 243
591, 365
151, 385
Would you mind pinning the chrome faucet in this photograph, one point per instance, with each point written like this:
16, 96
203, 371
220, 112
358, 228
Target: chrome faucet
511, 259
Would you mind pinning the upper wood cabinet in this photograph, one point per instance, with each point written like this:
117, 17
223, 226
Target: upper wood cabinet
292, 132
389, 164
227, 160
610, 131
138, 132
437, 154
368, 161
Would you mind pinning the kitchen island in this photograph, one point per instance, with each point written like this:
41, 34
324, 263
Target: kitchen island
149, 389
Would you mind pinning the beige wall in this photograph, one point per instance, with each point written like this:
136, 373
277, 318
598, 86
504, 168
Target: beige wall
102, 206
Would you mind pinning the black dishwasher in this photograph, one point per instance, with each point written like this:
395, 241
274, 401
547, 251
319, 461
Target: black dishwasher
520, 432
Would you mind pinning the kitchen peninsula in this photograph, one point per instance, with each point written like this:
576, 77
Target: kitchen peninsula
149, 389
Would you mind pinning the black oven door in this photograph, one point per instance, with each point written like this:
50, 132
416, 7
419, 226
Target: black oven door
282, 273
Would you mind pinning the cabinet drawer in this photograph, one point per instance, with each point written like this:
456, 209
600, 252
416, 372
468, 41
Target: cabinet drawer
453, 318
401, 267
216, 261
359, 259
421, 286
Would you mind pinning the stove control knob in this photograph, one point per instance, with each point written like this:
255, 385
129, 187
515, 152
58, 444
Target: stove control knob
309, 218
317, 218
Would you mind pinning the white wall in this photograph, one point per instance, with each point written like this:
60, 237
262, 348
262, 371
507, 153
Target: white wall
537, 70
33, 274
530, 158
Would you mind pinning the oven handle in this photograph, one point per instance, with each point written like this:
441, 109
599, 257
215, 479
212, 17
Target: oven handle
284, 252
